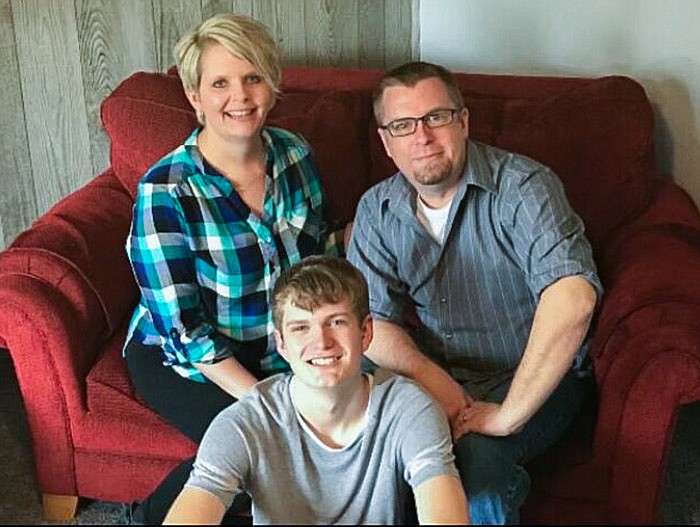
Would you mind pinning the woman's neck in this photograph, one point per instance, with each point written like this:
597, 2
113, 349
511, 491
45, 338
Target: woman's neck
239, 161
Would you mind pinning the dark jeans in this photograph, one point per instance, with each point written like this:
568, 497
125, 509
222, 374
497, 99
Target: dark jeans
494, 479
187, 405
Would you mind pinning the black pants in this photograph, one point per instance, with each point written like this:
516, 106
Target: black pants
187, 405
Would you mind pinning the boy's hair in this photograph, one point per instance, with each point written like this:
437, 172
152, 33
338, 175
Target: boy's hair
320, 280
408, 75
244, 37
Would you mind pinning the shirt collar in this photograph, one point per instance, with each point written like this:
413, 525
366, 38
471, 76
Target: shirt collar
195, 153
477, 172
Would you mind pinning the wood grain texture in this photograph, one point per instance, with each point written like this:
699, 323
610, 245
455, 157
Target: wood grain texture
289, 31
370, 41
17, 201
115, 40
60, 58
172, 19
52, 91
398, 44
212, 7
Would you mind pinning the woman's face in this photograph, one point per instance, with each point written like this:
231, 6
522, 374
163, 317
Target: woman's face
233, 96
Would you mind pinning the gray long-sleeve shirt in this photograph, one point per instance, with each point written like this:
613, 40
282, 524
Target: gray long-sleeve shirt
510, 233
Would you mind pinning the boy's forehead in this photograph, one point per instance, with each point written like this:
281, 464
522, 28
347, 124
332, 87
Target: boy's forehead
291, 310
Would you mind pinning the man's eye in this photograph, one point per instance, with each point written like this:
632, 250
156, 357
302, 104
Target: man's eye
399, 126
338, 322
299, 329
437, 117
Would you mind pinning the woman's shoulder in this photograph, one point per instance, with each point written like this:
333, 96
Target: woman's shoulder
174, 167
286, 140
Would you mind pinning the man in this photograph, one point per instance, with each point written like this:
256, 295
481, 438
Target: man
327, 443
485, 246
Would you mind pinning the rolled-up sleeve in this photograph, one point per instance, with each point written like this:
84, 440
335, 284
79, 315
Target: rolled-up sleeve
547, 235
163, 265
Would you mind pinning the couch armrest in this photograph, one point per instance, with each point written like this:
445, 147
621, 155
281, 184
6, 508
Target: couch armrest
646, 357
65, 285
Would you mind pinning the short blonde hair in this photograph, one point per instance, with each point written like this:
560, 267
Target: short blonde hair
320, 280
244, 37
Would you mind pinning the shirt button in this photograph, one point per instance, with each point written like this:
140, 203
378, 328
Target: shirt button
448, 335
443, 300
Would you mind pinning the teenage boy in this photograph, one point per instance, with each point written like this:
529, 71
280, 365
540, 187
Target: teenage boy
326, 443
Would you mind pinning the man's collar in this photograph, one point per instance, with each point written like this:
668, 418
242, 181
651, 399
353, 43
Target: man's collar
477, 172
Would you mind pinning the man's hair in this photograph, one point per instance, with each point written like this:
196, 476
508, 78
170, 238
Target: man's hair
320, 280
408, 75
244, 37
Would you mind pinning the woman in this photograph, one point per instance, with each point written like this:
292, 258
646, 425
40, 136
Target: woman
215, 221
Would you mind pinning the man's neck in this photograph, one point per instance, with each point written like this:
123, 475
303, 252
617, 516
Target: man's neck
335, 415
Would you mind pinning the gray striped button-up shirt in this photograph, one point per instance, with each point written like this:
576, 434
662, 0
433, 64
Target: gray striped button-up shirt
510, 233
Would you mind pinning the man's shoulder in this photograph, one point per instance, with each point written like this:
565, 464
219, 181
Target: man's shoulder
508, 168
379, 193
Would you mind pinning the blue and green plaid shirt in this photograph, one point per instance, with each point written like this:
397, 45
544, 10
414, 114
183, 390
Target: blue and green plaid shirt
206, 265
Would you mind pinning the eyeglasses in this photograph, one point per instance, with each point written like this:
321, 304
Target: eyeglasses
407, 125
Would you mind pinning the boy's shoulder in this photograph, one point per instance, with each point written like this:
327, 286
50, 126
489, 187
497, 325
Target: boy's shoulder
266, 400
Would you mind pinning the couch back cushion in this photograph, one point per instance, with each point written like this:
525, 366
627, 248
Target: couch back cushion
596, 134
148, 115
598, 137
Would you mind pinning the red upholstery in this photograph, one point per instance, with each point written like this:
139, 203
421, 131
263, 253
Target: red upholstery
66, 289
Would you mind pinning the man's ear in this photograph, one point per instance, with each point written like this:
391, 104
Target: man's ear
279, 340
464, 119
384, 136
367, 332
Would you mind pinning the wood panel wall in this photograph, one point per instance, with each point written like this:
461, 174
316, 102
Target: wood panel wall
60, 58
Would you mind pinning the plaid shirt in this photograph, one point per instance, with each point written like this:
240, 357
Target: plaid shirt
206, 265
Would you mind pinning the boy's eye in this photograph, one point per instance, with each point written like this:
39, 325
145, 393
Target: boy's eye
298, 329
338, 322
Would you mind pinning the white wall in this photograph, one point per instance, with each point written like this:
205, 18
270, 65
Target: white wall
656, 42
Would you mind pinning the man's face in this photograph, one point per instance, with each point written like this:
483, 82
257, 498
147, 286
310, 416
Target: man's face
324, 347
430, 157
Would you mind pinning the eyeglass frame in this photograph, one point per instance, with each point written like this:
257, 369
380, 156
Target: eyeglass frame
415, 120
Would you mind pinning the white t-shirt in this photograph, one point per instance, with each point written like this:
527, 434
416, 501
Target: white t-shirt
435, 220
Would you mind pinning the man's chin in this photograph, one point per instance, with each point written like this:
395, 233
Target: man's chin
432, 179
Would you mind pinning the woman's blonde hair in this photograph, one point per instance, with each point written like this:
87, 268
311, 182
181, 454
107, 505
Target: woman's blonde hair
244, 37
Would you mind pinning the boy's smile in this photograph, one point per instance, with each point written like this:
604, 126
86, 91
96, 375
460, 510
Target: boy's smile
324, 347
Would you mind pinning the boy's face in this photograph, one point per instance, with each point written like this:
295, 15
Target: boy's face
324, 348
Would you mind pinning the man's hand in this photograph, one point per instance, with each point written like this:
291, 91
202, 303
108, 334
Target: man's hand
483, 418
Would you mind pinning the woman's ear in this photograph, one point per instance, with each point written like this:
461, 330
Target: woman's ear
193, 97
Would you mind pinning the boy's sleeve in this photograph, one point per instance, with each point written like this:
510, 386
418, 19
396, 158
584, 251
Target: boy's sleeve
426, 448
222, 463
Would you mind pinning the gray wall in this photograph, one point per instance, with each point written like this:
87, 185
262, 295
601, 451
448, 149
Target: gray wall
60, 58
656, 42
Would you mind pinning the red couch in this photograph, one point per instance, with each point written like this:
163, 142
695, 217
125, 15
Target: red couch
67, 292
